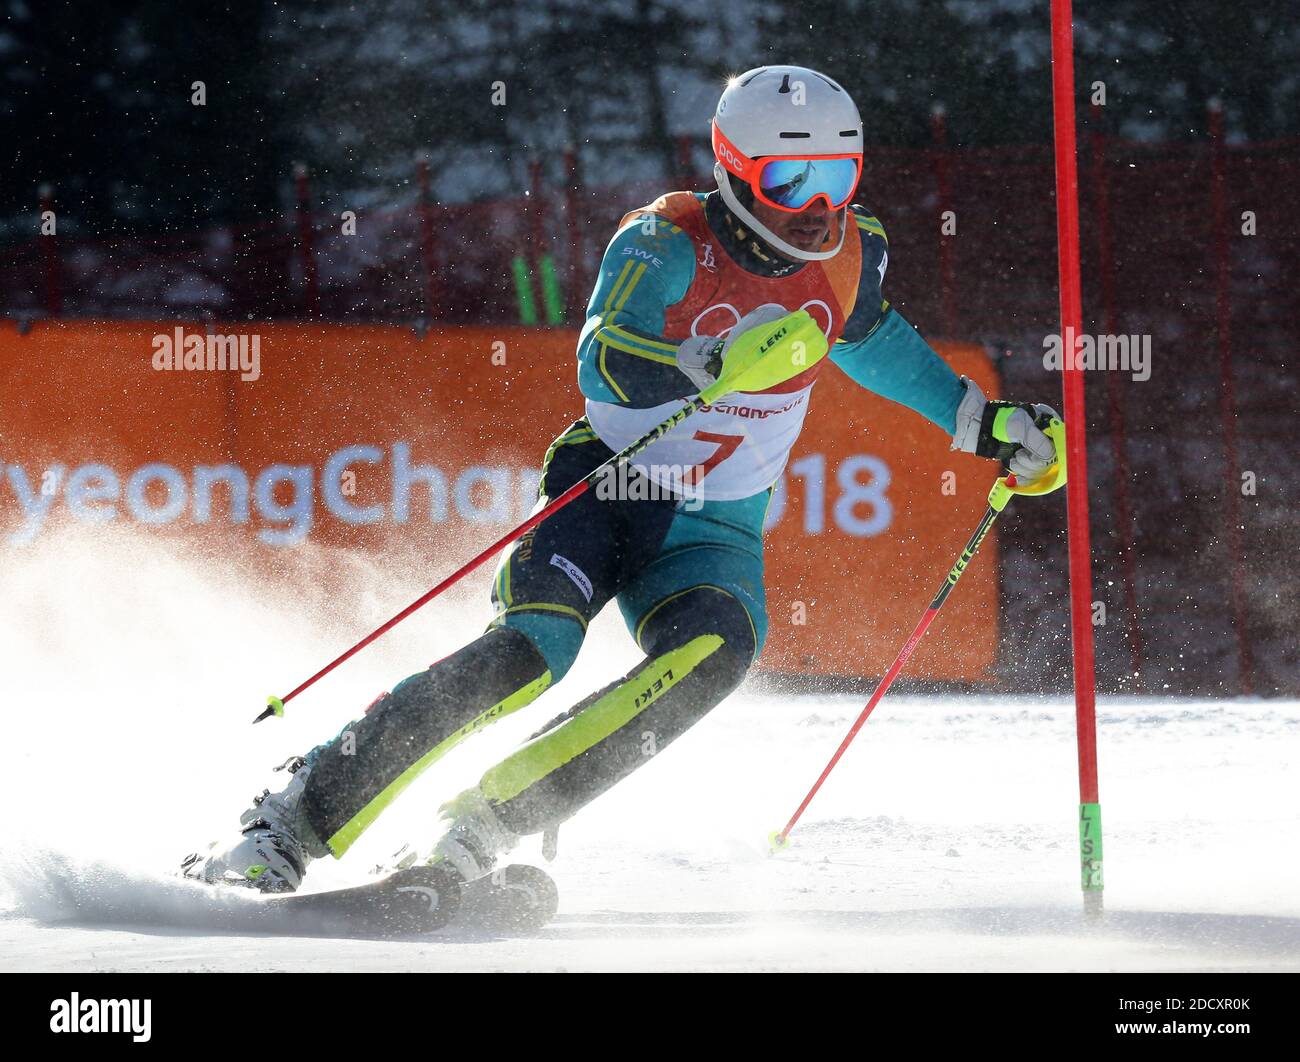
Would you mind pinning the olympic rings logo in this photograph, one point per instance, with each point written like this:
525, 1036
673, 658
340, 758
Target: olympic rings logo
719, 312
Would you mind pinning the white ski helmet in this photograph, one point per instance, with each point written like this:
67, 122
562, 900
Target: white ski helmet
799, 130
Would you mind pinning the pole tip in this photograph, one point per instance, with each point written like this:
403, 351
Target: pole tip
274, 706
776, 842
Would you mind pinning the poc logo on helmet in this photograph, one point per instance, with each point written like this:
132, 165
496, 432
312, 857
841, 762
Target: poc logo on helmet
730, 156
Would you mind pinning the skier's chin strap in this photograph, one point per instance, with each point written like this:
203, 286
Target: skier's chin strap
740, 240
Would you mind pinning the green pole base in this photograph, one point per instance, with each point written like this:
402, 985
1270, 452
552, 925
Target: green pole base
1090, 850
524, 291
552, 298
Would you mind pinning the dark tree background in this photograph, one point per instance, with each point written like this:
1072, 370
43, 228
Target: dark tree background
96, 102
95, 98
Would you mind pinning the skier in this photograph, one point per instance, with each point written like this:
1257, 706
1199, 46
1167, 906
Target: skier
680, 282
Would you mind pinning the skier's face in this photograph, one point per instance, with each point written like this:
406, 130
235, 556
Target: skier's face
806, 230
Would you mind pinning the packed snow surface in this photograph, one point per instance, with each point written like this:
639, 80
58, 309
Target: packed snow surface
945, 840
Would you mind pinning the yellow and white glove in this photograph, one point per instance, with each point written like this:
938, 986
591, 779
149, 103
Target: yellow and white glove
701, 357
1011, 432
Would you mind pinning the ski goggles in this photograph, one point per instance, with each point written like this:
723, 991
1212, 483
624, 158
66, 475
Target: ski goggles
792, 182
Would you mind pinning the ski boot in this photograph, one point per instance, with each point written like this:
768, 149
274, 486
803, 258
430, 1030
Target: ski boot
467, 883
274, 846
472, 838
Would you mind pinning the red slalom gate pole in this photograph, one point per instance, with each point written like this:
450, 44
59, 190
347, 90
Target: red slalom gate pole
1067, 238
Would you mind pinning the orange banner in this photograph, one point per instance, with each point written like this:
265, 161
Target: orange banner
375, 436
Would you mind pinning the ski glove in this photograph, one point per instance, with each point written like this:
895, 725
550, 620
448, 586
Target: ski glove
1011, 432
701, 357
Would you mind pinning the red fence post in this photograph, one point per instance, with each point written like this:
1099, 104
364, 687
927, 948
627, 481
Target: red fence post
427, 249
1227, 398
536, 213
50, 253
573, 222
685, 170
1118, 434
940, 160
307, 257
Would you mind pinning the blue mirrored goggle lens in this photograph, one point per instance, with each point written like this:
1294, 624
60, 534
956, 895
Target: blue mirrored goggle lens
795, 182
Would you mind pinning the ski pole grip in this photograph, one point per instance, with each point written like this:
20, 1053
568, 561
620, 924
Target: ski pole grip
763, 357
1053, 479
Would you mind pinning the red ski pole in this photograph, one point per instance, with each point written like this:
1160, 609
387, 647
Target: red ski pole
774, 358
275, 705
998, 498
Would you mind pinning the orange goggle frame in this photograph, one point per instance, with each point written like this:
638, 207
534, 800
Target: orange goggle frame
791, 183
